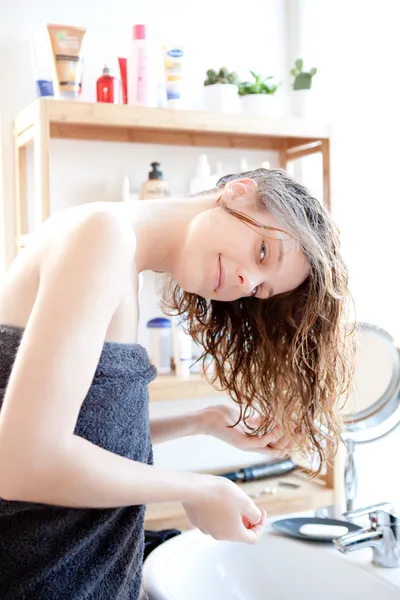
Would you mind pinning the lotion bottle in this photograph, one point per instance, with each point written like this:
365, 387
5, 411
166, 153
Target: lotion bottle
155, 186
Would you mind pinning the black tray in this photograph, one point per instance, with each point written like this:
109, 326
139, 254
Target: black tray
292, 527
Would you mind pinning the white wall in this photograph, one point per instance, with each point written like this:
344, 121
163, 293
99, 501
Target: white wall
357, 47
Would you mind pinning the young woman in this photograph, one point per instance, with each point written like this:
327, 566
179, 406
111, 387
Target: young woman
256, 269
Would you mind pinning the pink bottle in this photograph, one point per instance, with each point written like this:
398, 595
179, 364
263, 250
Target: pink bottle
137, 67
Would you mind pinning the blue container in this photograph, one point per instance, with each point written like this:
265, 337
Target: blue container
44, 87
160, 334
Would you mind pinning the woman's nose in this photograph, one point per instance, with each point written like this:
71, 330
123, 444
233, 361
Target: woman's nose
247, 281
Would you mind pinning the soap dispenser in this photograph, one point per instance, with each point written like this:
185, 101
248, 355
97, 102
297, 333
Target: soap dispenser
155, 186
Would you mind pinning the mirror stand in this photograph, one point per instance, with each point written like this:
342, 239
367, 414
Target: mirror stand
350, 475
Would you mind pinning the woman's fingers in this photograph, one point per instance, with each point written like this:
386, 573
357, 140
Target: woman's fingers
283, 444
275, 444
252, 514
267, 439
253, 533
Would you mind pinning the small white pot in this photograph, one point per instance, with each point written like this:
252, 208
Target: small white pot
222, 97
260, 105
304, 104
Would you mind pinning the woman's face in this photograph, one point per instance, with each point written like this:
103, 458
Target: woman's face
225, 259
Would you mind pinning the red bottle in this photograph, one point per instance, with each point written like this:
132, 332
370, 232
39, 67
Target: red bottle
108, 88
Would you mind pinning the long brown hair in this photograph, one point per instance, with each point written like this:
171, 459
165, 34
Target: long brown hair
289, 358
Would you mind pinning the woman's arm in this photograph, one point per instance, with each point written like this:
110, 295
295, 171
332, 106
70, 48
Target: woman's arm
217, 421
163, 429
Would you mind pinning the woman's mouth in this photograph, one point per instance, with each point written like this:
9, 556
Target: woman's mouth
218, 278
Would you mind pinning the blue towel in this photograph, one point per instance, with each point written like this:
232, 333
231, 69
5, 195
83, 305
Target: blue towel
55, 553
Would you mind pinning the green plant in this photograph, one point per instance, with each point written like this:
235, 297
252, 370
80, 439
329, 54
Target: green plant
221, 76
258, 86
302, 79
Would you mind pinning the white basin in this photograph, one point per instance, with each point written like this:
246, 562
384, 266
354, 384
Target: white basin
193, 566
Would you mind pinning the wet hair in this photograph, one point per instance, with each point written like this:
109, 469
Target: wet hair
287, 359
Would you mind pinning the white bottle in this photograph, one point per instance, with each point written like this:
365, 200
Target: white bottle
219, 173
244, 165
183, 350
137, 67
125, 189
219, 170
202, 180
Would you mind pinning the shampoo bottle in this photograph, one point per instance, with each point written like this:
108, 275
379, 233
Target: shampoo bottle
155, 186
137, 67
244, 166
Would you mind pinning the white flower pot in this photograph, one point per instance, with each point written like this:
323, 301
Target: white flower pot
222, 97
305, 104
260, 105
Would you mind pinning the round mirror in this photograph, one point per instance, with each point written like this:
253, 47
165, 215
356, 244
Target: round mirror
373, 407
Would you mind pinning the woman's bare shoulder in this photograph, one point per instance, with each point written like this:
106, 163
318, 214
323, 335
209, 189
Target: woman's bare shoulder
83, 227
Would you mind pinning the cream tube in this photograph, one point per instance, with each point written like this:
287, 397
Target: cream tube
173, 60
66, 44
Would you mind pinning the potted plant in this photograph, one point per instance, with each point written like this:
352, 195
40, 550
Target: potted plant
301, 89
258, 96
302, 79
221, 91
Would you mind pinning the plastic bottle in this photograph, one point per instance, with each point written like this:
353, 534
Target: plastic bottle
182, 349
155, 186
173, 61
125, 189
41, 63
108, 87
202, 180
219, 171
244, 165
137, 67
160, 343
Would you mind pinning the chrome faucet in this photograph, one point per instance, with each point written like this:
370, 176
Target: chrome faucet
383, 536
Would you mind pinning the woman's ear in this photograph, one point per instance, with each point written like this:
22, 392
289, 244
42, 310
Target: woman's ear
240, 192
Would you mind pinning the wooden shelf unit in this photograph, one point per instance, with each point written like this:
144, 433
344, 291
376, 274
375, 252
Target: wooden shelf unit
49, 118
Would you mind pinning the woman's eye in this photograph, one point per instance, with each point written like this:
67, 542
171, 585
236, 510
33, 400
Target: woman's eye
254, 291
263, 251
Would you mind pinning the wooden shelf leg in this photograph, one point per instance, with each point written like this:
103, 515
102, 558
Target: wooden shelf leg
41, 161
326, 174
21, 192
283, 157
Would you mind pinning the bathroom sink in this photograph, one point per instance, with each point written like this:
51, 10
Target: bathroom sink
193, 566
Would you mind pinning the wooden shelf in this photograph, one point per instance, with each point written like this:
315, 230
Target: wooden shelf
280, 499
124, 123
48, 118
170, 387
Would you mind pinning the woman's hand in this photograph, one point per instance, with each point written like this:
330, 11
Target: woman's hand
218, 419
221, 509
